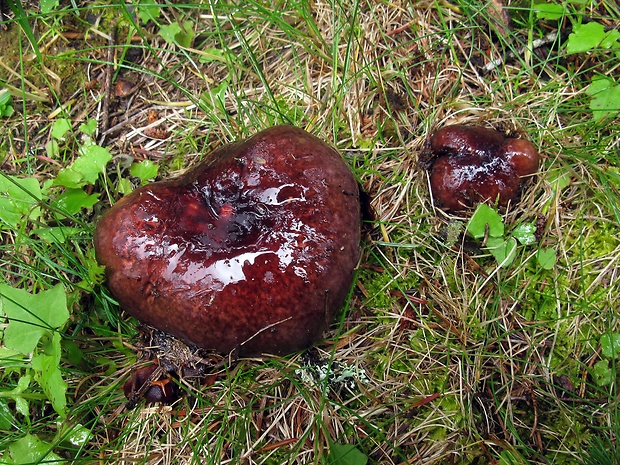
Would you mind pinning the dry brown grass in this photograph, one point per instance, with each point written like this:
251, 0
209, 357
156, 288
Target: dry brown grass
460, 363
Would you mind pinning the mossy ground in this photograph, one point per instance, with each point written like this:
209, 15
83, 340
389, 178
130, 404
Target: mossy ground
463, 361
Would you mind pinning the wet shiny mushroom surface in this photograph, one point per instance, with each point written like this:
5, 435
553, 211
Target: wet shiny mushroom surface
253, 250
473, 164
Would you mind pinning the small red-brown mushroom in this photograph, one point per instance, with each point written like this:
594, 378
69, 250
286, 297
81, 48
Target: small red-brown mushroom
474, 164
144, 382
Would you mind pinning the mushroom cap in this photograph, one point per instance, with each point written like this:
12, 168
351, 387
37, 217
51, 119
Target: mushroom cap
459, 183
522, 155
460, 140
252, 250
159, 390
474, 164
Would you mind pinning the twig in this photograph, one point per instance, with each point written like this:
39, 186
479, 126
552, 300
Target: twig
118, 127
535, 44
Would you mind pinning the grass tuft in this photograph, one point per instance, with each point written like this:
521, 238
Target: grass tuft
440, 355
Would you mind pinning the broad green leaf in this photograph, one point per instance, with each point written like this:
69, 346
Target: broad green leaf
47, 373
19, 199
610, 345
219, 94
31, 315
69, 178
92, 162
22, 385
110, 365
609, 39
144, 170
74, 200
550, 11
560, 181
346, 454
76, 434
148, 10
7, 110
168, 32
605, 98
186, 37
603, 375
22, 406
60, 128
47, 6
89, 127
546, 258
524, 233
504, 251
86, 168
124, 186
30, 449
589, 36
73, 352
483, 216
96, 272
52, 148
176, 34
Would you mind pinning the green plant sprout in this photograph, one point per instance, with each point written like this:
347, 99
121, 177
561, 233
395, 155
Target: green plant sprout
32, 340
145, 170
589, 37
176, 33
527, 354
6, 107
346, 454
34, 319
487, 224
592, 36
605, 93
610, 350
30, 449
19, 198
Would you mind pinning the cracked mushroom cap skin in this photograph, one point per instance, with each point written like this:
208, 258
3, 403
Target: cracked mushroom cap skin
254, 249
475, 164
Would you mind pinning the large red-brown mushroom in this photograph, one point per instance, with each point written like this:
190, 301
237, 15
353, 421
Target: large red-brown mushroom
253, 250
474, 164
